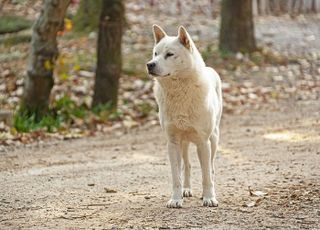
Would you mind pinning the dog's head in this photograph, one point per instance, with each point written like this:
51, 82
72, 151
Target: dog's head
171, 55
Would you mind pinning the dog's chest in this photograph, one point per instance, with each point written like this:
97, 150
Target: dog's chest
180, 105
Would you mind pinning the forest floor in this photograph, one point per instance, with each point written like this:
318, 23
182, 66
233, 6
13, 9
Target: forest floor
122, 181
120, 178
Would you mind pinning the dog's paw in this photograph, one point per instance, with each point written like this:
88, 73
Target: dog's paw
172, 203
210, 202
187, 192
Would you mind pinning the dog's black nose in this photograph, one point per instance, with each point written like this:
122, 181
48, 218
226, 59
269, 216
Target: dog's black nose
151, 65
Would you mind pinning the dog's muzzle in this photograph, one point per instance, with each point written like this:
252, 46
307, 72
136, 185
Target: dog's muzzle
151, 67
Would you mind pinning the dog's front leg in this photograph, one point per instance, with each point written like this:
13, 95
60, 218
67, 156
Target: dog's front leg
204, 154
187, 192
175, 161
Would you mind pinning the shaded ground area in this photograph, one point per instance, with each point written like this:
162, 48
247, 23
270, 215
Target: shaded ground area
122, 181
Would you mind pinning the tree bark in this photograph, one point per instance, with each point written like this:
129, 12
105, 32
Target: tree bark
109, 60
43, 54
237, 28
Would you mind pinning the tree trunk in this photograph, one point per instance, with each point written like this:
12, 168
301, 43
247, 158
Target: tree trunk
43, 54
109, 60
237, 28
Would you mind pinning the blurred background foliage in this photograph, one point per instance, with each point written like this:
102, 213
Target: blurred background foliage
284, 63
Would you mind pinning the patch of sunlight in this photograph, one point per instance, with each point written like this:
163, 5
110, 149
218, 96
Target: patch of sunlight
226, 151
232, 155
144, 157
290, 136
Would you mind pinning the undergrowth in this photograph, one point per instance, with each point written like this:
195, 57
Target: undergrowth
63, 113
12, 23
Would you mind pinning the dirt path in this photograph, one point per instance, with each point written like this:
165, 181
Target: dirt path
63, 185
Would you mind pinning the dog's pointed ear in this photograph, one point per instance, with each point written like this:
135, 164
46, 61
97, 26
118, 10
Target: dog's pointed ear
158, 33
184, 37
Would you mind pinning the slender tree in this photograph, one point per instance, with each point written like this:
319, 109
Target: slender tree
109, 59
237, 28
43, 54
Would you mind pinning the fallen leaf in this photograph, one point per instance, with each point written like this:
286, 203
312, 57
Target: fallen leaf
256, 193
48, 65
130, 123
109, 190
67, 24
253, 203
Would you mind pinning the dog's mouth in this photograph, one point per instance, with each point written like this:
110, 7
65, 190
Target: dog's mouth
157, 75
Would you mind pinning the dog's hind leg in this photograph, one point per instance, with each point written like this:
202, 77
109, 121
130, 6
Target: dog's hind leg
214, 139
187, 192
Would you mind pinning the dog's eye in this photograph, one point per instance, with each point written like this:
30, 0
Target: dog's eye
169, 54
155, 53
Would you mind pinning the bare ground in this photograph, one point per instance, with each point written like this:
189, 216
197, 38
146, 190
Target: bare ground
122, 181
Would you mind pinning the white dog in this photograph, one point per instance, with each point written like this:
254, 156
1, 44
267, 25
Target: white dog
190, 105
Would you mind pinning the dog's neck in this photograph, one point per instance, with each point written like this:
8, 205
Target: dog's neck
171, 83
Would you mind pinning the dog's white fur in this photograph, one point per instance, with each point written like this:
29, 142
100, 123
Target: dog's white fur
190, 105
